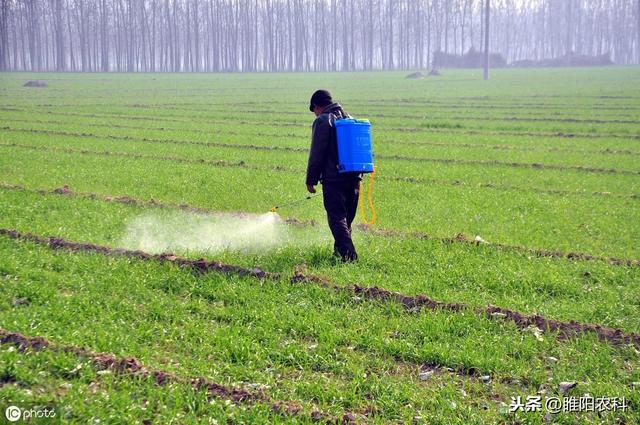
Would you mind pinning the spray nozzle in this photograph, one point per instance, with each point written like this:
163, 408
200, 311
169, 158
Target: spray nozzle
275, 209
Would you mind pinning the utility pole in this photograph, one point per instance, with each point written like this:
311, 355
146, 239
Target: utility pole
486, 40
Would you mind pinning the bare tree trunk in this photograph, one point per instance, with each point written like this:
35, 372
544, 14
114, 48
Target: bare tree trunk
196, 33
188, 64
569, 24
390, 18
334, 38
486, 38
4, 35
20, 45
13, 29
152, 48
60, 55
176, 65
33, 33
72, 62
638, 34
429, 16
447, 6
84, 38
370, 37
144, 32
130, 37
104, 40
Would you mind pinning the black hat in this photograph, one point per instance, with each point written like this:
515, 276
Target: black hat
320, 98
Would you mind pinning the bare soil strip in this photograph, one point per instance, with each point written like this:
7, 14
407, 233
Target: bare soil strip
243, 164
280, 135
415, 117
481, 105
65, 190
427, 106
512, 164
459, 238
176, 159
424, 129
190, 129
558, 134
411, 302
460, 103
510, 188
482, 163
157, 141
523, 321
507, 147
151, 118
131, 366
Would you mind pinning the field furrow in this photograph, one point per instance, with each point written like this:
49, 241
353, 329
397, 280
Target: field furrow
413, 303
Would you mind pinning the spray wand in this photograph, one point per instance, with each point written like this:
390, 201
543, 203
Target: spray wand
275, 208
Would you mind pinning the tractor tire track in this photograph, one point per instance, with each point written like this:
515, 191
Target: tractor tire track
459, 238
413, 303
495, 163
130, 366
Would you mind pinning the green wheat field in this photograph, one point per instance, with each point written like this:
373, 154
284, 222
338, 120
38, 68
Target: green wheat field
522, 192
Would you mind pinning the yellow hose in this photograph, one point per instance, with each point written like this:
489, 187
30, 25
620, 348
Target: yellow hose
374, 213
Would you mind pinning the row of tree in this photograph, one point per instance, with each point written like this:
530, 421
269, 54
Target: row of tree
303, 35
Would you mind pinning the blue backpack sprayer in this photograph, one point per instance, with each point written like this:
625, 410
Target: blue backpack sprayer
355, 155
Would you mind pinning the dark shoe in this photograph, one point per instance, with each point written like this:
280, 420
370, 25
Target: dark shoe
346, 257
349, 257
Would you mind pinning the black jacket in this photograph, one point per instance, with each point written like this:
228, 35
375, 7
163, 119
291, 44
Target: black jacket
323, 155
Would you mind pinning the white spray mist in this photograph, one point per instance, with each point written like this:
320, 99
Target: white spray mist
168, 231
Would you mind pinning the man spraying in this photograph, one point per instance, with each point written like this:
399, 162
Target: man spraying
339, 190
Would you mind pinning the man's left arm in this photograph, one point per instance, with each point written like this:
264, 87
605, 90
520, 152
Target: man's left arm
321, 136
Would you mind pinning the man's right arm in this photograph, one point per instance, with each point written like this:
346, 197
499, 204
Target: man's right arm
321, 136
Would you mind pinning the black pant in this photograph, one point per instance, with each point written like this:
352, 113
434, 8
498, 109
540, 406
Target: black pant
341, 203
